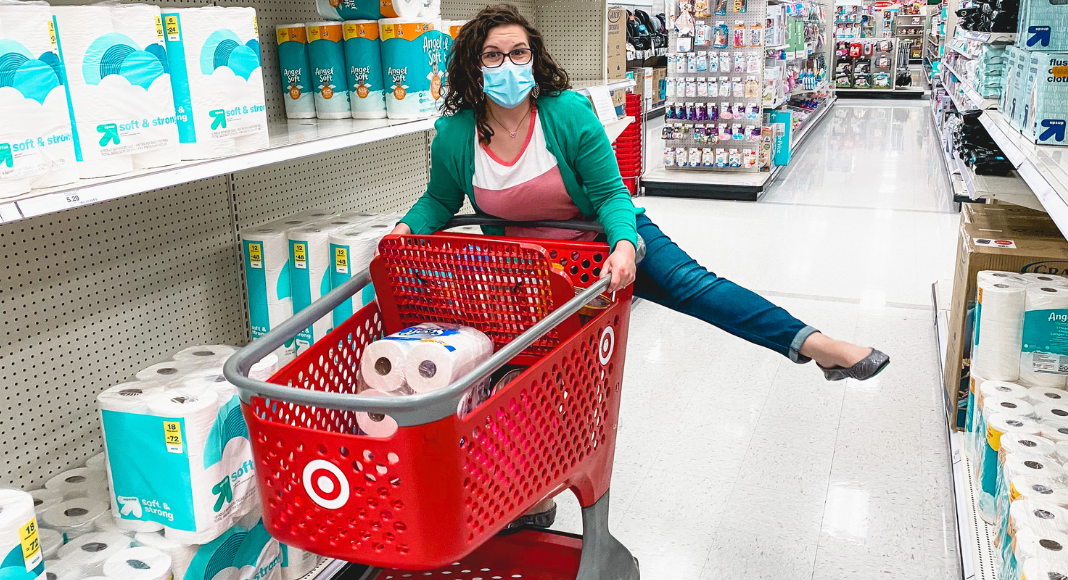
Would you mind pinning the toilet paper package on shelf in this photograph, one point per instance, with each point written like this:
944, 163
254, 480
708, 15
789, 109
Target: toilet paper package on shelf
214, 54
45, 498
209, 353
326, 55
351, 251
138, 563
118, 87
350, 9
63, 570
414, 58
20, 546
1044, 351
36, 144
73, 517
423, 9
77, 482
51, 541
294, 71
181, 554
363, 65
184, 463
452, 27
998, 329
297, 563
309, 257
240, 552
267, 281
93, 549
143, 23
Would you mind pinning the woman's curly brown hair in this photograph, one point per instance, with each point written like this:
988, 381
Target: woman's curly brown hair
464, 90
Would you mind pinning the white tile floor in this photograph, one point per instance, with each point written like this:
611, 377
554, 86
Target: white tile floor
744, 465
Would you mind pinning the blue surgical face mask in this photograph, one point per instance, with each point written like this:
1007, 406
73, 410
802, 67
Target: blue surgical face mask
509, 84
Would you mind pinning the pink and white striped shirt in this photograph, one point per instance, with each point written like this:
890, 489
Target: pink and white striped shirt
526, 189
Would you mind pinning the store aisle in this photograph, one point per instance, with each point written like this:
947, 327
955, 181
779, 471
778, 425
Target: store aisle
735, 463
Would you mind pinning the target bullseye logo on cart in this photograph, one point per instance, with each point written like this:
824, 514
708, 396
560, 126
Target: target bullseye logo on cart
326, 484
607, 345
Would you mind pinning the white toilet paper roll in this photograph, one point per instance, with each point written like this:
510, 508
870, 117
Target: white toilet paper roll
1043, 569
1055, 431
76, 482
16, 515
169, 370
98, 462
181, 554
1051, 412
1001, 390
1037, 395
129, 397
135, 526
1039, 542
1048, 467
375, 424
265, 368
999, 330
107, 523
209, 378
1037, 516
1013, 407
1034, 279
64, 570
45, 498
383, 363
140, 563
73, 517
297, 563
51, 541
1042, 489
1043, 359
199, 409
1062, 451
210, 353
1023, 445
435, 363
93, 548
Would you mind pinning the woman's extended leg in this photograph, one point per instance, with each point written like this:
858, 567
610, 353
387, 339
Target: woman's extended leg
670, 277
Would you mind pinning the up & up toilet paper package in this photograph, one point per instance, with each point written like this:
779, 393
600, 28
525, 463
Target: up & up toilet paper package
36, 145
118, 87
20, 547
214, 54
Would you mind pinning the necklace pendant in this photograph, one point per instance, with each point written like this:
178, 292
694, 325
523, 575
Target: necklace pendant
512, 134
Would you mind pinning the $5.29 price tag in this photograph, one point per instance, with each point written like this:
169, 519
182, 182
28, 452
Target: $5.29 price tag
172, 434
31, 545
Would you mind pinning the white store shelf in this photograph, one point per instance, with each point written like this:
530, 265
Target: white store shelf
1043, 167
814, 119
990, 37
292, 140
971, 95
976, 537
1011, 189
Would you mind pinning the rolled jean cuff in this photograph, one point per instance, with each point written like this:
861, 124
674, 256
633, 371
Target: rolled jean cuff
795, 346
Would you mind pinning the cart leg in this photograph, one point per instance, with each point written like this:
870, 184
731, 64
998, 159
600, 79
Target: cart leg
603, 556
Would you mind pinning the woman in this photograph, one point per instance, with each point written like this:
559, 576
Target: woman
520, 146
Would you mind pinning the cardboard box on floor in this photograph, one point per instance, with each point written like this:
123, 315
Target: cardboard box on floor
1032, 247
659, 74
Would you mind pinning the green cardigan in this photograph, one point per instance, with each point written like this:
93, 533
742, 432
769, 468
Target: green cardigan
573, 135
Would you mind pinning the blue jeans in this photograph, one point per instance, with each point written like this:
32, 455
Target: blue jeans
669, 277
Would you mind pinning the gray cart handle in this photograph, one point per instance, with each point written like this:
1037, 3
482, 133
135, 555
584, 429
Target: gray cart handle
412, 409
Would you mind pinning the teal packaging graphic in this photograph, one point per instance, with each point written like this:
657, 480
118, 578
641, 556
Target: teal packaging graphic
1043, 25
188, 481
326, 54
340, 272
265, 253
1045, 335
256, 287
414, 61
39, 121
294, 71
350, 9
218, 80
309, 283
782, 139
238, 554
13, 567
1048, 101
363, 65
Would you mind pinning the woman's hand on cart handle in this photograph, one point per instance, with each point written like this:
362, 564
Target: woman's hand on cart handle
402, 229
620, 265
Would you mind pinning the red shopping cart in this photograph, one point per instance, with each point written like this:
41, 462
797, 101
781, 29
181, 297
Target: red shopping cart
433, 496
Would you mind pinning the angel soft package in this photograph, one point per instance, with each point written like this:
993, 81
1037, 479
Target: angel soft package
179, 457
118, 85
36, 146
214, 54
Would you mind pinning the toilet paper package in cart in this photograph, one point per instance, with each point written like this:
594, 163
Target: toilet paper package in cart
180, 458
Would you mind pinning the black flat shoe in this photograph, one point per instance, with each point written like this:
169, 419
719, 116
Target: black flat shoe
543, 519
867, 368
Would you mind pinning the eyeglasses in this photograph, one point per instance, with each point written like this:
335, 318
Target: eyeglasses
494, 59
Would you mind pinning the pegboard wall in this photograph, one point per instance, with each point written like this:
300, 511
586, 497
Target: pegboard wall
91, 295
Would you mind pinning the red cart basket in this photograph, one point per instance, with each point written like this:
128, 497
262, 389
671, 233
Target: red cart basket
442, 486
